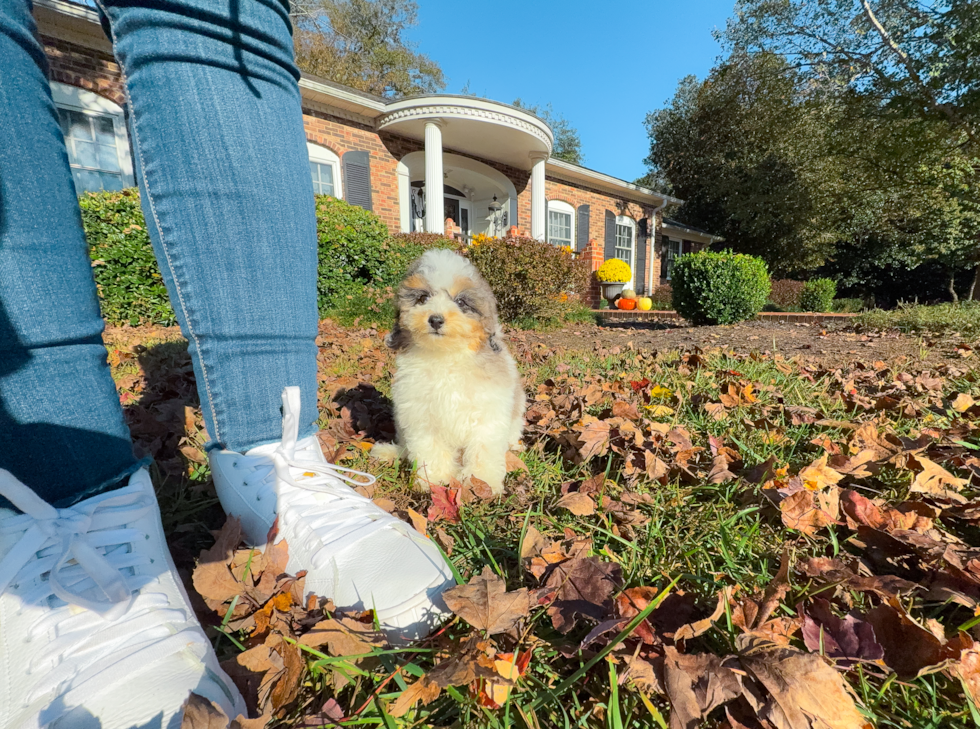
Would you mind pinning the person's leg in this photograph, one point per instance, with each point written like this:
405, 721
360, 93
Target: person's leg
221, 158
61, 426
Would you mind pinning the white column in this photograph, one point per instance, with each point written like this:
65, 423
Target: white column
539, 207
404, 198
435, 218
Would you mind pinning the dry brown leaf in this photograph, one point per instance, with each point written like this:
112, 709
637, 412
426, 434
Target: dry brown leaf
514, 463
424, 690
212, 577
935, 480
485, 603
695, 685
418, 521
802, 512
693, 630
805, 692
584, 586
343, 637
577, 503
200, 713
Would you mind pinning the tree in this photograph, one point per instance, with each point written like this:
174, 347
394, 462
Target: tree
914, 66
798, 172
567, 145
359, 43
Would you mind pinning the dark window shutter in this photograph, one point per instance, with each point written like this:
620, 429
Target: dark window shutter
640, 275
582, 228
357, 179
610, 242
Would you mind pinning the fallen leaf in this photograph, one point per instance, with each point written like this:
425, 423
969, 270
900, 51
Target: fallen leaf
818, 475
935, 480
584, 586
200, 713
485, 603
800, 511
514, 463
696, 685
424, 690
805, 692
577, 503
212, 576
962, 402
445, 504
908, 646
418, 521
846, 639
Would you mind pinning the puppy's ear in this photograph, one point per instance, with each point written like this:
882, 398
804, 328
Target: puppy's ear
493, 341
398, 338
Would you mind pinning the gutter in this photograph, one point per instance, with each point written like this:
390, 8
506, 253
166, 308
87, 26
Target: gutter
653, 240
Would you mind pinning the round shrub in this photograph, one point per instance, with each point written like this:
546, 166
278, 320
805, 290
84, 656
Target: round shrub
529, 277
130, 286
719, 287
614, 271
818, 295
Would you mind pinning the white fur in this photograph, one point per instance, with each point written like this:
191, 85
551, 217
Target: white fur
457, 411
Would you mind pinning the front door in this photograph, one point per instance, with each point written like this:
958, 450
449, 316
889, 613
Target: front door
458, 209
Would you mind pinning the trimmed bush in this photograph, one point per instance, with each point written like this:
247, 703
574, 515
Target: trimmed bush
719, 287
785, 294
530, 278
130, 286
818, 295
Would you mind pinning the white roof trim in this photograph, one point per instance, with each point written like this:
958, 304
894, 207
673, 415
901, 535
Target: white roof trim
330, 95
575, 173
704, 237
74, 9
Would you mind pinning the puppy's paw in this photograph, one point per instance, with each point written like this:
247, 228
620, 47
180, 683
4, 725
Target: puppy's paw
389, 452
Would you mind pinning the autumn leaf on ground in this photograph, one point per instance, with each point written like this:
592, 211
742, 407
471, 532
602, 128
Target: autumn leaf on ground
584, 586
200, 713
804, 691
962, 402
846, 639
801, 511
630, 603
493, 693
934, 480
696, 685
966, 668
445, 504
909, 647
514, 463
733, 395
819, 476
424, 690
485, 603
268, 673
212, 577
577, 503
344, 637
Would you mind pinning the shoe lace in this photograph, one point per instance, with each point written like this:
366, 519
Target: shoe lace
345, 517
80, 553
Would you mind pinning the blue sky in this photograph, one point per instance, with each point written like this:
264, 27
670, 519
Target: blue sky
603, 65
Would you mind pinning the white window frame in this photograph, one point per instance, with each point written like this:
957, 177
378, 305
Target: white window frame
628, 222
73, 98
323, 156
670, 254
560, 206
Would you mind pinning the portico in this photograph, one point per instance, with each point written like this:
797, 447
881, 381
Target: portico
477, 197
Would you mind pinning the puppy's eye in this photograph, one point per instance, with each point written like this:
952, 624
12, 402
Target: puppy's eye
465, 305
421, 298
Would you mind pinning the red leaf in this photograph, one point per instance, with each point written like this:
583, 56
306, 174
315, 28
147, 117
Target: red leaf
445, 504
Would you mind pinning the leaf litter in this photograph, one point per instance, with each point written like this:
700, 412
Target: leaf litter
876, 509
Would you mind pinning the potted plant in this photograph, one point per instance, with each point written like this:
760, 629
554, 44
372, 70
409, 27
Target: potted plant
614, 274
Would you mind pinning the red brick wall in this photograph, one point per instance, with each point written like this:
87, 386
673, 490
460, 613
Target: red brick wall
84, 68
98, 72
599, 203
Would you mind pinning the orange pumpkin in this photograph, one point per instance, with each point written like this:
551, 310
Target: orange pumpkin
626, 304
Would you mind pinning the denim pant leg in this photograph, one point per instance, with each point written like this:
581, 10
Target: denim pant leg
61, 426
221, 159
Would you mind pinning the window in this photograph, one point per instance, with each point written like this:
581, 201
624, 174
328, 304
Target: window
325, 169
92, 152
95, 136
561, 223
625, 229
672, 249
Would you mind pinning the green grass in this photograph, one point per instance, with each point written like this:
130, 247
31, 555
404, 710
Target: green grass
962, 318
699, 537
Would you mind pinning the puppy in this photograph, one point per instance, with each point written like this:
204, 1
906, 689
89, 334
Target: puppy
459, 403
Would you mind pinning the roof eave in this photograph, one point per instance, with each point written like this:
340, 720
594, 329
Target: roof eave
577, 173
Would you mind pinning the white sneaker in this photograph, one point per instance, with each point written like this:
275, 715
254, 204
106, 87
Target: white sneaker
95, 628
353, 551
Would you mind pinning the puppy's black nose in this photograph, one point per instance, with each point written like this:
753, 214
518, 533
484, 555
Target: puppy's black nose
436, 321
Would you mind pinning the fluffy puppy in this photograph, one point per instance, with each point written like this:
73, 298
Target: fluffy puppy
459, 403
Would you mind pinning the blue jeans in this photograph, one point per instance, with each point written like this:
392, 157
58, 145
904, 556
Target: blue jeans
221, 161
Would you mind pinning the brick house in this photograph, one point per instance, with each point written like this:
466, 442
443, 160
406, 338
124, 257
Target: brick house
488, 163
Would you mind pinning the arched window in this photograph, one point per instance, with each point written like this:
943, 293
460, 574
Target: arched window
561, 223
325, 168
95, 135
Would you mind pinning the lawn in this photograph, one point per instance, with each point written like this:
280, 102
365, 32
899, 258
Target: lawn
758, 526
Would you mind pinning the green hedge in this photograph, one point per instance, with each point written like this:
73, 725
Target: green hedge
126, 273
818, 295
719, 287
